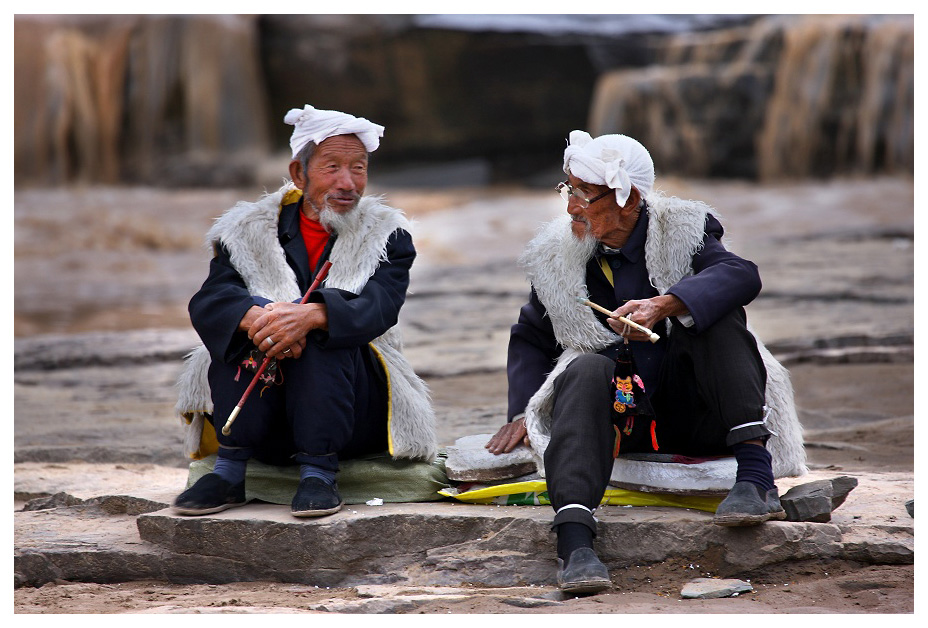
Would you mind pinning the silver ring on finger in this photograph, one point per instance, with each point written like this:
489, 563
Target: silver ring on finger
287, 350
270, 340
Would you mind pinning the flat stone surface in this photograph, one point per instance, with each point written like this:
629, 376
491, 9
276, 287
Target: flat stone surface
439, 543
89, 480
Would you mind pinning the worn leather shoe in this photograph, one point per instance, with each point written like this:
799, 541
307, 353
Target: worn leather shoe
209, 494
315, 498
747, 505
584, 573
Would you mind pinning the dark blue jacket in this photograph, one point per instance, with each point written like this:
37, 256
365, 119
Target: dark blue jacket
354, 320
721, 282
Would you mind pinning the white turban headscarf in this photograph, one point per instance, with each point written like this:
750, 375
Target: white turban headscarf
614, 160
315, 125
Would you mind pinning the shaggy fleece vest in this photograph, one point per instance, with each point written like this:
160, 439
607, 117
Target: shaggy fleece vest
555, 264
249, 233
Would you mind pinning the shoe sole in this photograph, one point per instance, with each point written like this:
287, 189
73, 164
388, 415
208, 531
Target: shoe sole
317, 513
736, 520
180, 510
586, 586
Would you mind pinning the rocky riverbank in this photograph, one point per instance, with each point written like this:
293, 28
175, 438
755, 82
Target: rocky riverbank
100, 330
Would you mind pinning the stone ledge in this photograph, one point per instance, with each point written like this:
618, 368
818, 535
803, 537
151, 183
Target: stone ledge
434, 544
455, 544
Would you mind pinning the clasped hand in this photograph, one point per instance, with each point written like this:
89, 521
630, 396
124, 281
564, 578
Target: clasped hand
280, 329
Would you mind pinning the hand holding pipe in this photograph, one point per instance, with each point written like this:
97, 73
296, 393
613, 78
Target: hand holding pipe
651, 335
227, 428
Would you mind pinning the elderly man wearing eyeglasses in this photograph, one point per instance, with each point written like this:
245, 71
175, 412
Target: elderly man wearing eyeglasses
713, 388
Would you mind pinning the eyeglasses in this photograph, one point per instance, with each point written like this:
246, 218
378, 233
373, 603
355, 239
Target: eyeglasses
566, 190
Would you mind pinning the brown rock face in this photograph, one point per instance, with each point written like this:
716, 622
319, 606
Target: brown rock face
784, 97
199, 100
145, 99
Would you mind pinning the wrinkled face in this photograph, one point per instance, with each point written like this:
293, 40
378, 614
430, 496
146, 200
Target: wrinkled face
336, 175
601, 219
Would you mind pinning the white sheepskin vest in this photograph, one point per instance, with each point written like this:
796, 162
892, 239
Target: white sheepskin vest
555, 264
249, 233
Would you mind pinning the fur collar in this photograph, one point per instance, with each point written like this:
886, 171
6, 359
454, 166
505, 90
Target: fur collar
249, 233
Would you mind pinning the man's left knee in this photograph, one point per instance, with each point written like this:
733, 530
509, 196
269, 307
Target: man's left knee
589, 366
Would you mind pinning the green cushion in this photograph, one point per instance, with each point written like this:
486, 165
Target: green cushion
359, 480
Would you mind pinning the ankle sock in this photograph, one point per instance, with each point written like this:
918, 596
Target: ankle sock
232, 471
312, 471
572, 536
754, 465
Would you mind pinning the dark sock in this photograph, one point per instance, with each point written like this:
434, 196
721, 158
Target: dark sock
754, 465
572, 536
312, 471
232, 471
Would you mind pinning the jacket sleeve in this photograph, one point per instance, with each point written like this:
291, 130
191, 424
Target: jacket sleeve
721, 281
218, 307
533, 352
356, 319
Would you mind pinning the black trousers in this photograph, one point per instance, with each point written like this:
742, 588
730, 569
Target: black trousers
331, 405
710, 383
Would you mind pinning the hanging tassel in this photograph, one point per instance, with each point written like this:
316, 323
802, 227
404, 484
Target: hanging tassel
618, 441
654, 434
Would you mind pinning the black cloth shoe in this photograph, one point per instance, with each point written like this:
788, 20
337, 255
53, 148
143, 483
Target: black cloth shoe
584, 573
315, 498
747, 505
209, 494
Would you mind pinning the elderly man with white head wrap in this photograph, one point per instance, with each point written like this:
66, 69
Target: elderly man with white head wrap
326, 396
712, 389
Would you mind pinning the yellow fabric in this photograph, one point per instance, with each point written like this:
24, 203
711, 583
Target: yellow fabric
613, 496
208, 443
290, 197
386, 371
607, 270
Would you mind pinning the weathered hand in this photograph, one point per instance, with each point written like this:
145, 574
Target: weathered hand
645, 312
508, 437
293, 351
284, 326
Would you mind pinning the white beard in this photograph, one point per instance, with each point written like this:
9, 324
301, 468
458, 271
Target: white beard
587, 239
339, 222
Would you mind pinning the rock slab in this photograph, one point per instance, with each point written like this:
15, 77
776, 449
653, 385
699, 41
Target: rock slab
470, 461
815, 501
710, 588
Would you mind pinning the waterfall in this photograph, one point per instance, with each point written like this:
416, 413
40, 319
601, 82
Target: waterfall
789, 96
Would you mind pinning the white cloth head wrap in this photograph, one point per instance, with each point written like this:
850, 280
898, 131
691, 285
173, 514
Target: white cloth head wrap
614, 160
315, 125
